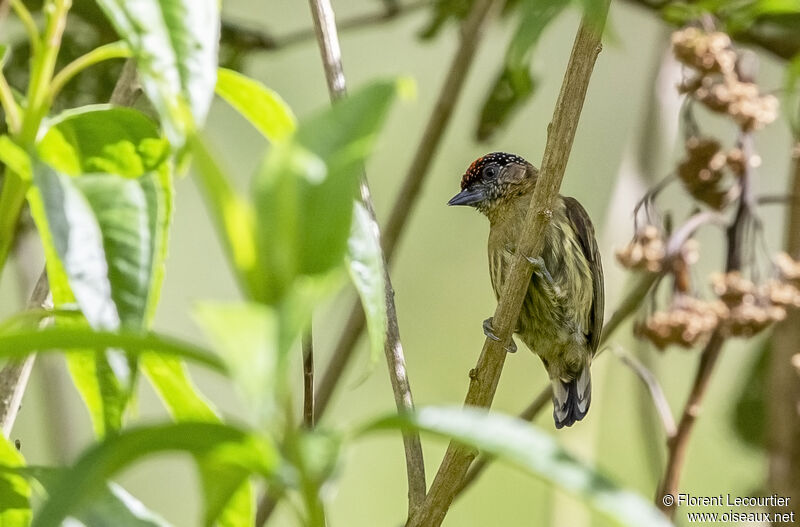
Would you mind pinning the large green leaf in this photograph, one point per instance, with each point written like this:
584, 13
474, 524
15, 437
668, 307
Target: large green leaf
525, 446
175, 43
305, 189
18, 343
15, 492
211, 445
103, 202
365, 264
111, 505
258, 104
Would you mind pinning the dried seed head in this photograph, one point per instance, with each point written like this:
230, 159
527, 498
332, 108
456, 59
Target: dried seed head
645, 252
688, 322
788, 269
781, 293
732, 288
705, 52
702, 172
741, 100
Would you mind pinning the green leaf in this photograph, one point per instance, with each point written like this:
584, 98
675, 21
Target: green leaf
103, 138
15, 492
304, 191
365, 264
171, 381
107, 245
111, 505
514, 85
20, 343
211, 445
525, 446
175, 43
258, 104
246, 336
233, 216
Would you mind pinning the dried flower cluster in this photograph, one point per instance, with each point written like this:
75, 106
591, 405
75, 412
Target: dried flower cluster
717, 85
742, 308
647, 251
703, 170
688, 322
749, 308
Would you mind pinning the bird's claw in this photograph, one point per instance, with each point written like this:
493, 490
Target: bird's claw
540, 269
488, 330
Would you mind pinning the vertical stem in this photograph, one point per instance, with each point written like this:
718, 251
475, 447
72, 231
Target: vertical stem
783, 399
308, 379
328, 41
471, 34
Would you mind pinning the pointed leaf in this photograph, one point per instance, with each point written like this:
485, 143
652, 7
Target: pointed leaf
15, 492
175, 43
258, 104
365, 263
525, 446
305, 189
208, 443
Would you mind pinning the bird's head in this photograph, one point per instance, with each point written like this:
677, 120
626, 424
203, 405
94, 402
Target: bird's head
494, 180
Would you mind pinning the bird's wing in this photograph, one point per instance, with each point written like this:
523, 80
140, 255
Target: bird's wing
584, 229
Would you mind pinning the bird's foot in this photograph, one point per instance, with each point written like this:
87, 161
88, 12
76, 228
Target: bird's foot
540, 269
488, 330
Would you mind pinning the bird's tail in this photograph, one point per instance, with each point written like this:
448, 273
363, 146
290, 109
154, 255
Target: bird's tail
571, 398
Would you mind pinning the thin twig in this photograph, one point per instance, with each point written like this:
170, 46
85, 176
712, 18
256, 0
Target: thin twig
678, 446
486, 374
308, 379
471, 33
653, 387
328, 41
247, 38
14, 376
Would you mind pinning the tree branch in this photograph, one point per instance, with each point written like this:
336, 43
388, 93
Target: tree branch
483, 385
471, 33
783, 398
327, 39
626, 308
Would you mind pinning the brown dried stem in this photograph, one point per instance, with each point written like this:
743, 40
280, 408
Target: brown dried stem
486, 376
678, 445
471, 33
308, 379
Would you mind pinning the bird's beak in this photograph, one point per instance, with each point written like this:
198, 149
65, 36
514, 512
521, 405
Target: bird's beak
471, 196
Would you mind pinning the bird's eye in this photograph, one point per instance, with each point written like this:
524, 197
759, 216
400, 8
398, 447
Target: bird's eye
490, 171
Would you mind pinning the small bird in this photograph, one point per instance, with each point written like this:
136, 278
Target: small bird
562, 314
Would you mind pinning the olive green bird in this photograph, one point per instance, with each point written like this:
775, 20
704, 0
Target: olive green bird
562, 314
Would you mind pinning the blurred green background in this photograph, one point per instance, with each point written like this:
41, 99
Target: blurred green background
440, 273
